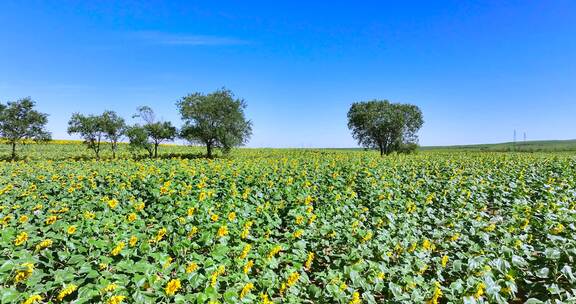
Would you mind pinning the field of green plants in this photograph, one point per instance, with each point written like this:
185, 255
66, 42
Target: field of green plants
290, 226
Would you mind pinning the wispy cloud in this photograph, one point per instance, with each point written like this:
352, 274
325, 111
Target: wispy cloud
163, 38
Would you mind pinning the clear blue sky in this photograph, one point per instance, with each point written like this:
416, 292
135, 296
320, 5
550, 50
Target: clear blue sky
478, 69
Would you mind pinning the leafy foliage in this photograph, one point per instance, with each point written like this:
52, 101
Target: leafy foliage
20, 122
91, 128
385, 126
114, 128
291, 226
156, 132
216, 120
138, 138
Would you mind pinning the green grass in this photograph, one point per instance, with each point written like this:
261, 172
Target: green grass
528, 146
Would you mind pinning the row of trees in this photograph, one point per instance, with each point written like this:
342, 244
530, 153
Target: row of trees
215, 120
110, 127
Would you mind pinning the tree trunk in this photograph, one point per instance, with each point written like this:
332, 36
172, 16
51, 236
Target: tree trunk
13, 150
381, 148
156, 150
209, 150
97, 149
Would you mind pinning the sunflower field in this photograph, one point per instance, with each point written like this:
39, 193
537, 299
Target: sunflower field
290, 226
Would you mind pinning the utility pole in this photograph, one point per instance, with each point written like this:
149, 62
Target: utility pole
514, 143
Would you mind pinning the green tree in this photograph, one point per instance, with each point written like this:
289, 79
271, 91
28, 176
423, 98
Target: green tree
19, 122
114, 128
138, 138
157, 131
90, 128
385, 126
216, 120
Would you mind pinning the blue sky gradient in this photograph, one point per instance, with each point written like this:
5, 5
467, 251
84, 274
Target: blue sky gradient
477, 69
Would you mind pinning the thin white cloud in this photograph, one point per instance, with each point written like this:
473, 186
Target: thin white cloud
163, 38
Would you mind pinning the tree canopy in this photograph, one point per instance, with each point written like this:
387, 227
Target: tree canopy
388, 127
138, 138
114, 128
20, 122
156, 132
216, 120
91, 128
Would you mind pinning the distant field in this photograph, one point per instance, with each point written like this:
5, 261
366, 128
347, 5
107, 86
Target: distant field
528, 146
74, 149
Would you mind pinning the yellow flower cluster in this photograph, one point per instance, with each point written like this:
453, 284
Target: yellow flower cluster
214, 277
298, 233
490, 227
222, 231
292, 278
132, 217
355, 298
437, 294
172, 287
167, 263
275, 250
139, 206
160, 234
245, 251
558, 229
116, 251
265, 299
367, 237
21, 239
44, 244
193, 232
71, 229
33, 299
51, 220
23, 219
231, 216
248, 266
191, 267
444, 261
66, 291
110, 287
479, 290
24, 273
427, 245
133, 240
246, 229
309, 260
112, 203
246, 290
116, 299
